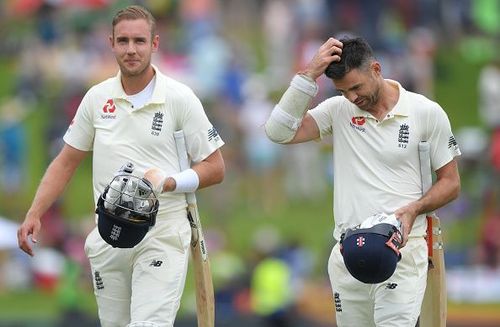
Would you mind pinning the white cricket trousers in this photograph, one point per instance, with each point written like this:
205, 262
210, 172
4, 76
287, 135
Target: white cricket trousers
141, 286
393, 303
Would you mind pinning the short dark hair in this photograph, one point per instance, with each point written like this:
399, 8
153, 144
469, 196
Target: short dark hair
135, 12
356, 53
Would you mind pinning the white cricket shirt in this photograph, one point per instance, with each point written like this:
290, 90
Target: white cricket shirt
108, 124
376, 163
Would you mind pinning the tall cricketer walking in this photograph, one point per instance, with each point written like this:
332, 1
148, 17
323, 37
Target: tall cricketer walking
376, 126
132, 118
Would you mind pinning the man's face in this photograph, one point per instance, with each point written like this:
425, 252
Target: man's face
133, 47
360, 86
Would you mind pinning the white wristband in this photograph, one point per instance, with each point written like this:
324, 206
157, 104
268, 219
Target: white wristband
186, 181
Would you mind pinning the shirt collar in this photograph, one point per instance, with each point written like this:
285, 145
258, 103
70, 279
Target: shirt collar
400, 109
158, 92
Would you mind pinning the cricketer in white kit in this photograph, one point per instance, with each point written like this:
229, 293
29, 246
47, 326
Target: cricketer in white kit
376, 126
107, 124
132, 118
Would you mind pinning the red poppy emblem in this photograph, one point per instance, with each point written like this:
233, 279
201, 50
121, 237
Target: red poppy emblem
359, 120
109, 107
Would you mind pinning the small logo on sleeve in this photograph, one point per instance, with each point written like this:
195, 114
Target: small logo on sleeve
213, 135
452, 143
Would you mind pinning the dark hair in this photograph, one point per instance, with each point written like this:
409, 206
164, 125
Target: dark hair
132, 13
356, 52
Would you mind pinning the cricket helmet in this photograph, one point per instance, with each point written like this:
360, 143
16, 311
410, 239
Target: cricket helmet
371, 249
126, 211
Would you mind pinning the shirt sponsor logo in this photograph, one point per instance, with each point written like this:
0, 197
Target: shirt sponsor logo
356, 123
403, 136
358, 120
157, 124
108, 110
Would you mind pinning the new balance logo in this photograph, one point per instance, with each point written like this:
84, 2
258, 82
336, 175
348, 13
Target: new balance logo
156, 263
98, 281
391, 286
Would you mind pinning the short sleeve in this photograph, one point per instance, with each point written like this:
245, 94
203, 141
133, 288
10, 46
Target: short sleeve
202, 138
323, 116
80, 133
444, 146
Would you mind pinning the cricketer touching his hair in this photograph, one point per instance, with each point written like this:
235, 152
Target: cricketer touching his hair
132, 117
376, 126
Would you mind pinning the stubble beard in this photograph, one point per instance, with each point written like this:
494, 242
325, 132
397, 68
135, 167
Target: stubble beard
371, 100
138, 71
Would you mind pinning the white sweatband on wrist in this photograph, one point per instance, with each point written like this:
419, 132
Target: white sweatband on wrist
288, 113
186, 181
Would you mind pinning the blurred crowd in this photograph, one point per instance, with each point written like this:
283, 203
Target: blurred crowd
239, 56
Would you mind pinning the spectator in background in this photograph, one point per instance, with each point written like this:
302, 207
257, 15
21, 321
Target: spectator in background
261, 156
12, 144
489, 245
421, 52
489, 94
278, 21
489, 110
271, 295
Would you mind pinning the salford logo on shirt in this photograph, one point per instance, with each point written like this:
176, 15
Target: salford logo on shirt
356, 123
109, 110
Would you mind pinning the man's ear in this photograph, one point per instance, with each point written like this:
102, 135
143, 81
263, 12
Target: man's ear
376, 67
156, 42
